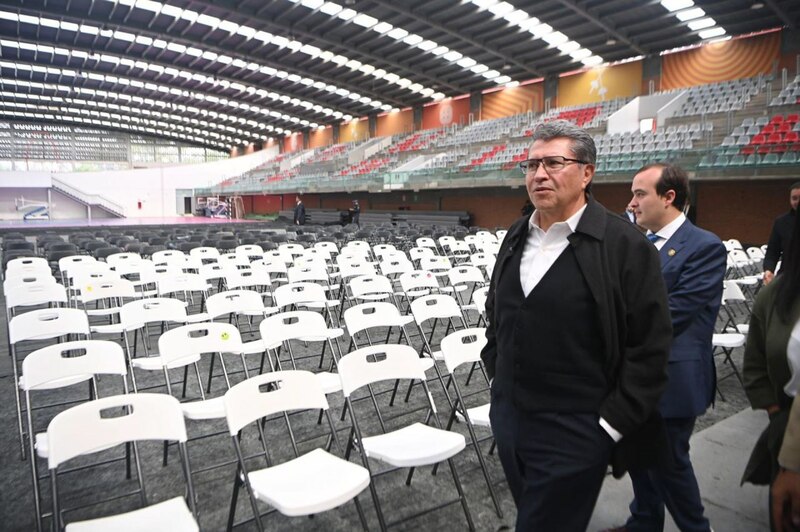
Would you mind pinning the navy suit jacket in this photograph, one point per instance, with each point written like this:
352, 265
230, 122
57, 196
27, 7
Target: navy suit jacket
693, 264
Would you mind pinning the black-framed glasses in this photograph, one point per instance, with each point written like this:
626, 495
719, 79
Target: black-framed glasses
552, 164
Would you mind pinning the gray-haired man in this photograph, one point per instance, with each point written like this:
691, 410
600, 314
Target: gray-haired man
578, 336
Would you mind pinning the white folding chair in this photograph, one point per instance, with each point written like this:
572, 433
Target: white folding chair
279, 330
59, 366
84, 429
136, 317
42, 324
458, 349
205, 253
411, 446
307, 484
188, 284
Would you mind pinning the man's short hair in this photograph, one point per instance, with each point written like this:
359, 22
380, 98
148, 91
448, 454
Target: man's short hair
581, 142
794, 186
673, 177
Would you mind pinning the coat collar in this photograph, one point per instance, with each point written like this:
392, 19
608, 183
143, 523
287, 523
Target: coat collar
593, 221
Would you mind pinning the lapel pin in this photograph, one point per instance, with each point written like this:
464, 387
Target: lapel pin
671, 252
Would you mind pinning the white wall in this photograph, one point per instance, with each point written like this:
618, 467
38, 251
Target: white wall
62, 207
626, 119
656, 106
155, 187
670, 108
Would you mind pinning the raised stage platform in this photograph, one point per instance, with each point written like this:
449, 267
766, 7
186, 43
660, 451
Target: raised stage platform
38, 225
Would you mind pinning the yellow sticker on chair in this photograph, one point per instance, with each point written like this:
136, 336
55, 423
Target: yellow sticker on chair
225, 336
89, 288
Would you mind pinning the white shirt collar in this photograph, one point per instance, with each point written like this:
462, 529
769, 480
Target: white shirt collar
572, 221
668, 230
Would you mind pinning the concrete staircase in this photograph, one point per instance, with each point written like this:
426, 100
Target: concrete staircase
91, 201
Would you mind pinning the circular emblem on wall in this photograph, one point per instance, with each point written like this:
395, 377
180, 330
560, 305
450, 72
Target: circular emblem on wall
445, 114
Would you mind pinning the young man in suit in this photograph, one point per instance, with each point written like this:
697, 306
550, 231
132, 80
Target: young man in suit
693, 266
577, 340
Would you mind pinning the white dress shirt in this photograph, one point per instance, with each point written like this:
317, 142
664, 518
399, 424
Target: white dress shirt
542, 249
666, 232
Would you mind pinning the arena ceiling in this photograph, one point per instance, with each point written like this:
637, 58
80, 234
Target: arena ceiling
223, 73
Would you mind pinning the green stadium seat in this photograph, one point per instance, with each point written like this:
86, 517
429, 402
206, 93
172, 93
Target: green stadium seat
705, 162
752, 159
770, 158
737, 160
789, 157
722, 160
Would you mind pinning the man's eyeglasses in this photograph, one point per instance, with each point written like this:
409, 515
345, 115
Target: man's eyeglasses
552, 165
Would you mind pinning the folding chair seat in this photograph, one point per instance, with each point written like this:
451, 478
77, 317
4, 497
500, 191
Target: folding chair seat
279, 255
312, 273
205, 253
82, 430
276, 268
107, 294
233, 261
330, 247
435, 307
122, 258
59, 366
25, 265
370, 287
136, 317
306, 484
291, 249
379, 250
393, 266
169, 256
425, 242
411, 446
465, 278
460, 348
183, 346
188, 284
32, 290
373, 315
304, 294
249, 251
42, 324
256, 278
279, 330
418, 283
68, 262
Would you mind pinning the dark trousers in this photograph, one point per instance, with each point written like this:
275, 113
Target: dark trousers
554, 463
673, 486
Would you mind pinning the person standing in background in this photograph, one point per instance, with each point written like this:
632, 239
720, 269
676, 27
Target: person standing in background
766, 369
299, 212
355, 213
781, 235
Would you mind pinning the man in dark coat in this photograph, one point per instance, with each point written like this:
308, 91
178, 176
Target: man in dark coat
781, 235
578, 337
299, 213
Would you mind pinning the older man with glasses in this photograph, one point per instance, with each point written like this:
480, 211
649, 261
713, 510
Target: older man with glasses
578, 339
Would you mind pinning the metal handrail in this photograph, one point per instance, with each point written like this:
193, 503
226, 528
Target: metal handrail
89, 199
